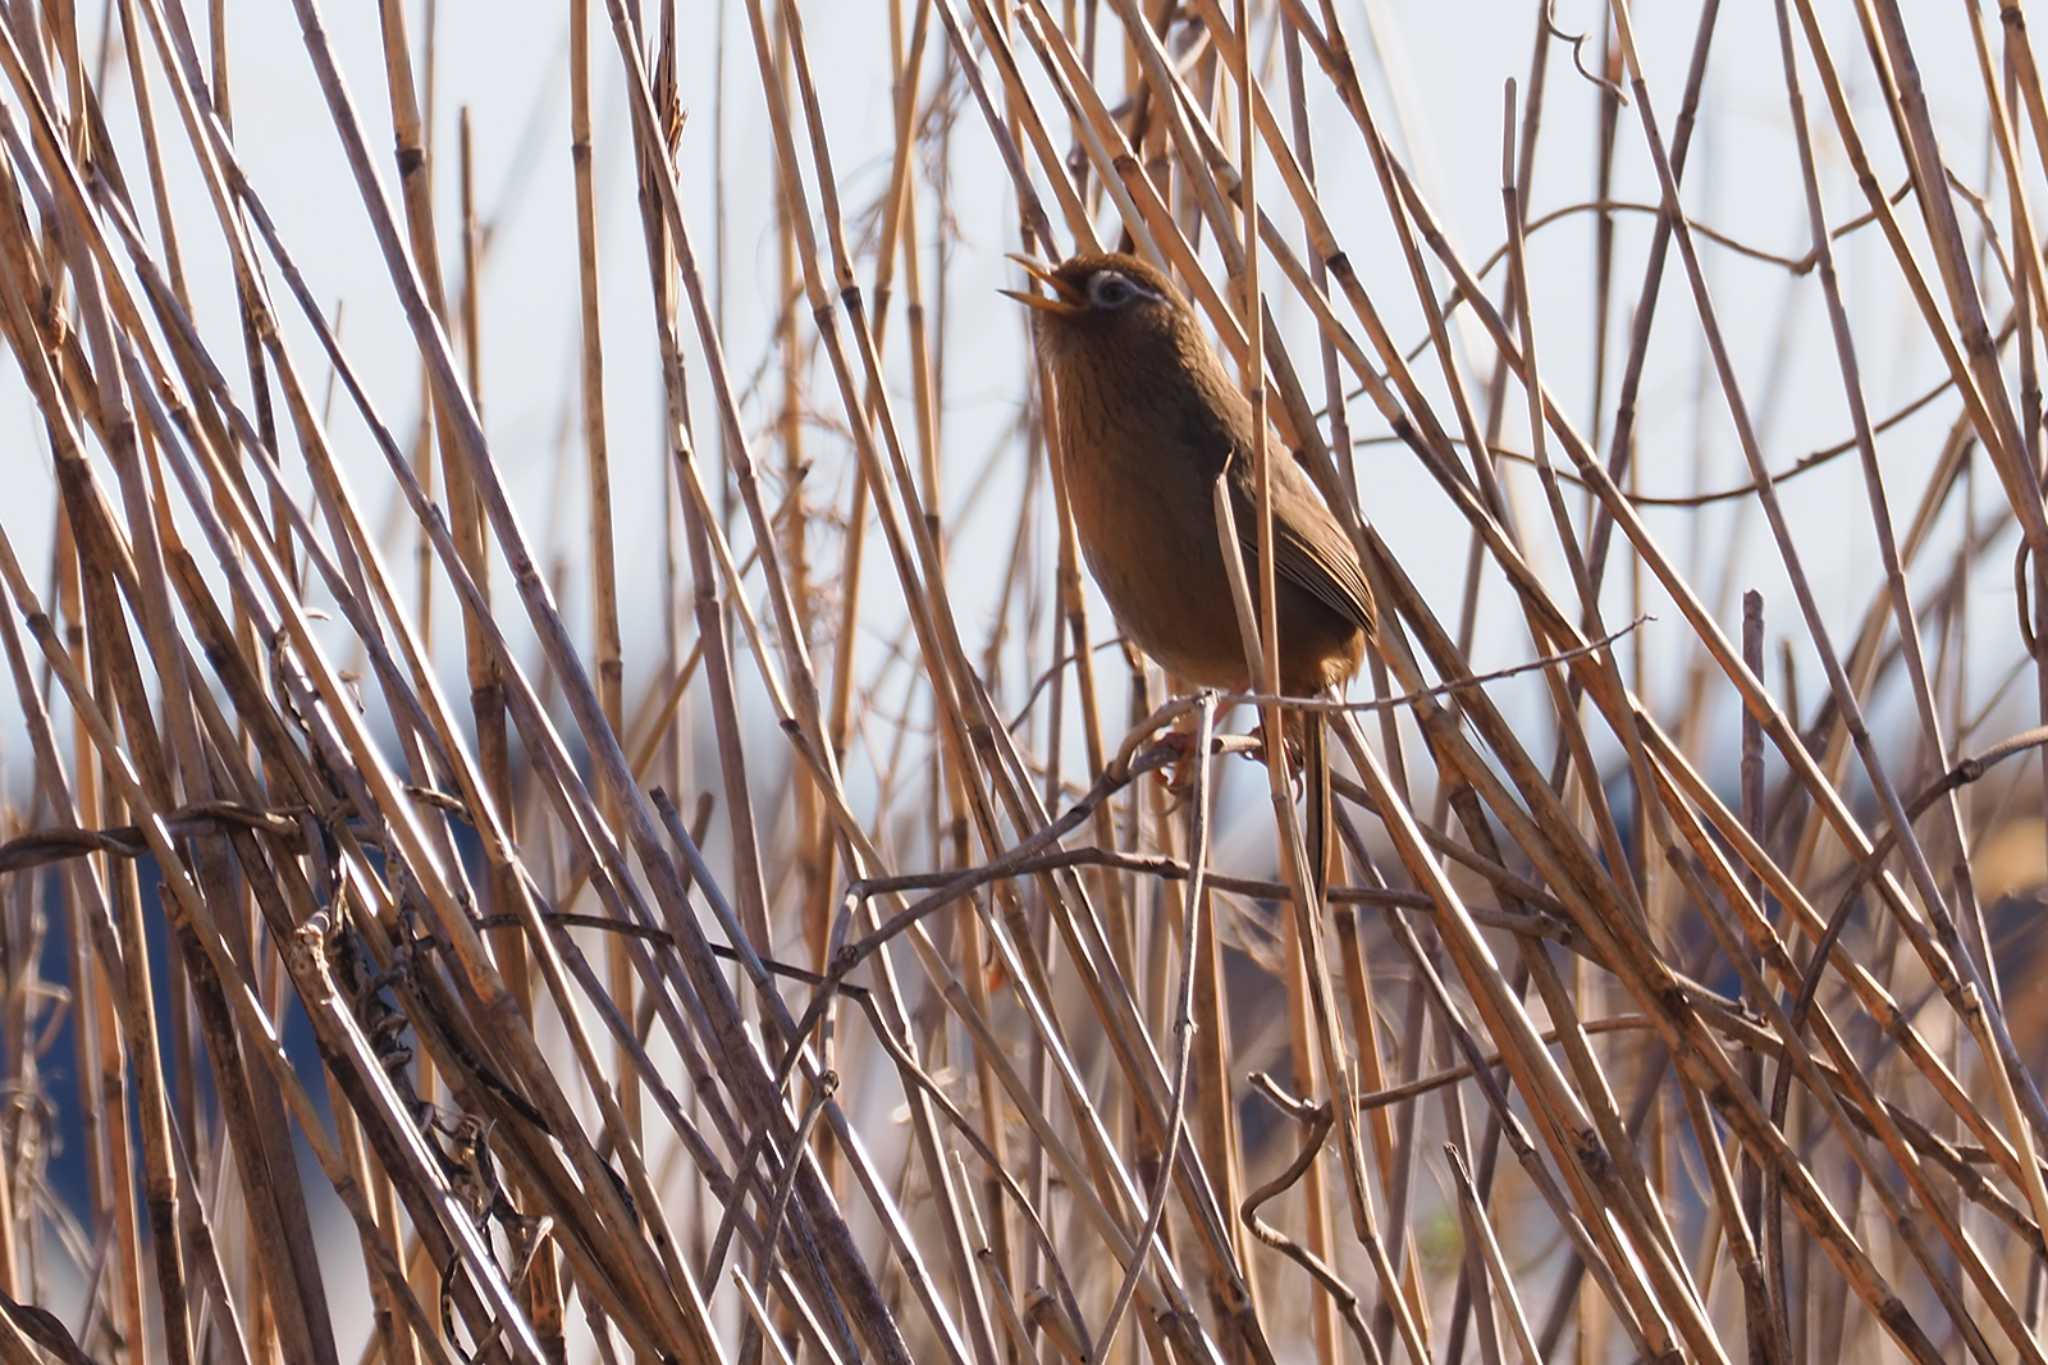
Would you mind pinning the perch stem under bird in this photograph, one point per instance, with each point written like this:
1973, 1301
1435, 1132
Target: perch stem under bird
1149, 422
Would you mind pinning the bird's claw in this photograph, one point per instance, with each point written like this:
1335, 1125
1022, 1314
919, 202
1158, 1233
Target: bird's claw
1295, 755
1178, 777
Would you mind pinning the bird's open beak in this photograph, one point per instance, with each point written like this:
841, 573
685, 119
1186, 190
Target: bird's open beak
1064, 301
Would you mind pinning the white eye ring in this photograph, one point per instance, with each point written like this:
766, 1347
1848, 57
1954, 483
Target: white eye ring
1108, 289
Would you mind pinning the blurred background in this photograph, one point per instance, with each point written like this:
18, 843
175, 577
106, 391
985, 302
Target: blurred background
494, 86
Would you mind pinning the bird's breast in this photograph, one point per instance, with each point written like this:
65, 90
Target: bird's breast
1145, 516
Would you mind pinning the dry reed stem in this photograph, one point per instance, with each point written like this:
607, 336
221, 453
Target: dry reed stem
927, 863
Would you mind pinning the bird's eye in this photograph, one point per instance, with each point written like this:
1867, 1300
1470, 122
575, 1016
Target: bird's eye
1107, 289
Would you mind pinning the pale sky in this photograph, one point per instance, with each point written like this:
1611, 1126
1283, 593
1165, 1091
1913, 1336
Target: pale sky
506, 63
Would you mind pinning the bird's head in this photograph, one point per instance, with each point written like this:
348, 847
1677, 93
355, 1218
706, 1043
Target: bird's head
1103, 302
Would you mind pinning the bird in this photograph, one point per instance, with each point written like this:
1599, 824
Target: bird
1149, 419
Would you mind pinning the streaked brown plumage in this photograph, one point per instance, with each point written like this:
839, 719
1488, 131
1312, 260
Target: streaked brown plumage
1148, 417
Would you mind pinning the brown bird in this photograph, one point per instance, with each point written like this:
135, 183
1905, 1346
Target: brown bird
1149, 418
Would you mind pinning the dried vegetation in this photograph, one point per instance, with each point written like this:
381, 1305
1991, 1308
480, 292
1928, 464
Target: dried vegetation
854, 991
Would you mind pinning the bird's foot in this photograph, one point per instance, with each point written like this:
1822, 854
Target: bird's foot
1292, 738
1179, 776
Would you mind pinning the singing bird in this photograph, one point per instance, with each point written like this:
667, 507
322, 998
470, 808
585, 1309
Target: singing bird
1148, 420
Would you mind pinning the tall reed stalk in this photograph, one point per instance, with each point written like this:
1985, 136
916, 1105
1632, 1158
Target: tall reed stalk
786, 946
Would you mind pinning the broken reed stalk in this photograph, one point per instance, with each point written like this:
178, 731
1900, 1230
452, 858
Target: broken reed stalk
599, 1081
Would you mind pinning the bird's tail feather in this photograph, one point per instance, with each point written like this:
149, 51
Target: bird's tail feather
1315, 767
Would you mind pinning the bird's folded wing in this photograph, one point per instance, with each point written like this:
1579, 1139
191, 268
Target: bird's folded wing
1311, 550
